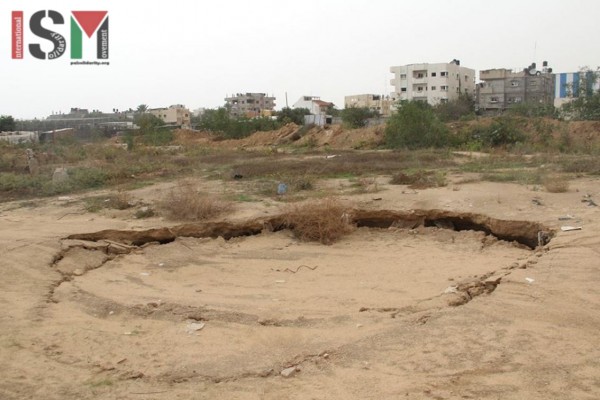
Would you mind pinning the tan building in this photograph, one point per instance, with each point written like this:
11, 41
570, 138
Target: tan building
174, 115
502, 88
250, 105
433, 83
383, 105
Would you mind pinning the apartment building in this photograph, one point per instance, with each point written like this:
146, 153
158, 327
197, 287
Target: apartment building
250, 105
383, 105
174, 115
502, 88
567, 86
433, 83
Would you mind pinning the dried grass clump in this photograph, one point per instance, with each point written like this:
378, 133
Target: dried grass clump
556, 184
325, 220
420, 179
185, 203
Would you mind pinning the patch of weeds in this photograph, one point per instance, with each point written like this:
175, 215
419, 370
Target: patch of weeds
184, 202
144, 212
100, 383
420, 179
582, 165
244, 198
366, 185
118, 201
526, 177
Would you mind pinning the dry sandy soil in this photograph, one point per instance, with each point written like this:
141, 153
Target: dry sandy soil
425, 313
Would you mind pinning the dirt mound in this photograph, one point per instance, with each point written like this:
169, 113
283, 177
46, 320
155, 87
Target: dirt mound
283, 135
337, 137
187, 136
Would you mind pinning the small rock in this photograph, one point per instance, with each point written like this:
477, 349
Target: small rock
359, 325
288, 372
78, 272
193, 327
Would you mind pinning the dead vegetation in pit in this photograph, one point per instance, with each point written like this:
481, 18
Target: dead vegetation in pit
527, 233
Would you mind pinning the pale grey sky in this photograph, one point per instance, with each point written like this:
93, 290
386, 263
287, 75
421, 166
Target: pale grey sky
196, 52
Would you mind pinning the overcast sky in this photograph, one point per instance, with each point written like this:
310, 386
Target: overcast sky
197, 52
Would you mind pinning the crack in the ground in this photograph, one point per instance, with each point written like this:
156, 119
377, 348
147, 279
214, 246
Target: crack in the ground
530, 234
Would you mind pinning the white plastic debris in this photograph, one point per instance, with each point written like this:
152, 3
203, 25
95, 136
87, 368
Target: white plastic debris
530, 280
193, 327
567, 228
280, 281
450, 289
145, 273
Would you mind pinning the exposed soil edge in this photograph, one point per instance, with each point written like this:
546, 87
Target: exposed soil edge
524, 232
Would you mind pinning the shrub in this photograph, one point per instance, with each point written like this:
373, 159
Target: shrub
415, 125
356, 117
556, 184
323, 221
185, 203
420, 179
503, 131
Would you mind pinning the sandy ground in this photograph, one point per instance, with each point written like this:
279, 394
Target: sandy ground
368, 317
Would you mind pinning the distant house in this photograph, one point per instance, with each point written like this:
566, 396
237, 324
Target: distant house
176, 115
432, 83
502, 88
382, 105
318, 110
250, 105
567, 86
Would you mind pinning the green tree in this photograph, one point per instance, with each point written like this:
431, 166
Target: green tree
7, 123
216, 121
356, 117
453, 110
586, 103
415, 125
152, 129
142, 108
295, 115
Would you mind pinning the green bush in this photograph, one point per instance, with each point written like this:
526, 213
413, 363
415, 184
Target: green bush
415, 125
356, 117
503, 131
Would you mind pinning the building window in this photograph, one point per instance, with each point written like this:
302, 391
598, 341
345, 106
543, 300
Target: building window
443, 101
466, 78
444, 88
443, 73
433, 88
514, 83
494, 99
533, 83
402, 76
419, 88
434, 74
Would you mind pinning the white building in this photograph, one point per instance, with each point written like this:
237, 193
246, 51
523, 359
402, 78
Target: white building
433, 83
175, 115
567, 86
314, 104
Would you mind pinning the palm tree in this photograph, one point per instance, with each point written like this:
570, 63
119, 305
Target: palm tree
142, 108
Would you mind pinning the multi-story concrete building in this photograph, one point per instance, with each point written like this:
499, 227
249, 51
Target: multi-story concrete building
433, 83
375, 102
567, 86
250, 105
502, 88
175, 115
